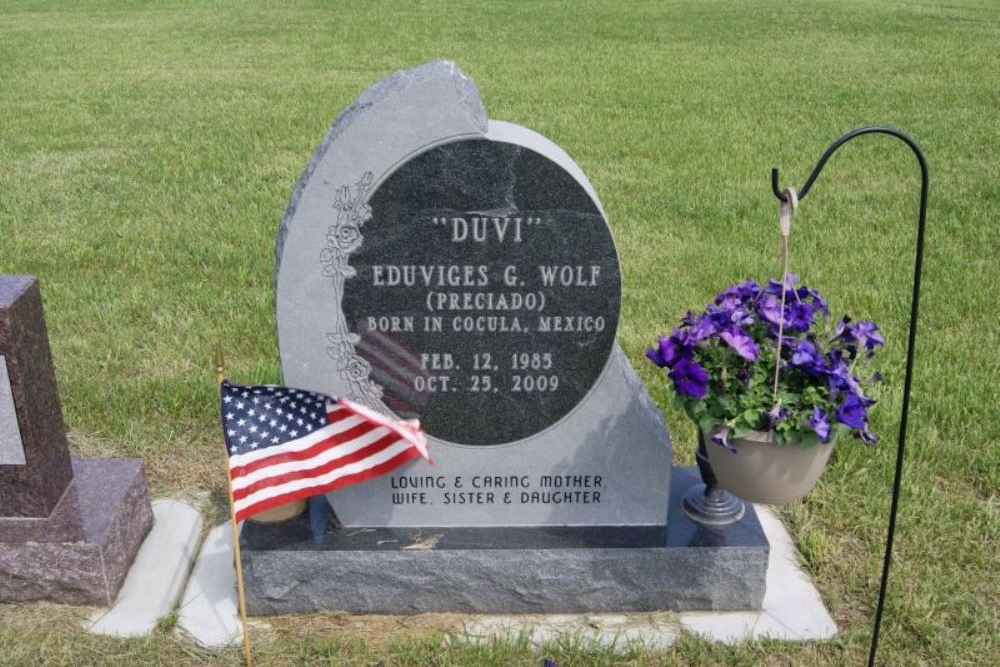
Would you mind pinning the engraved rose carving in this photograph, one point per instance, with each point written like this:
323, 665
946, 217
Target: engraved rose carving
356, 369
344, 237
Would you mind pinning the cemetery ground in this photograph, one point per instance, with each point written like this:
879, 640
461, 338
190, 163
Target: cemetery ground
147, 151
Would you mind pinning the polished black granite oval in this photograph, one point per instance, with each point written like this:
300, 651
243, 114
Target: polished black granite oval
484, 288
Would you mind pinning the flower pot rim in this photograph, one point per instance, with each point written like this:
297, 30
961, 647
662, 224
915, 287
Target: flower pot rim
762, 438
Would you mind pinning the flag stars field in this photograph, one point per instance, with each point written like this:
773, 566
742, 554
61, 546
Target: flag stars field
328, 449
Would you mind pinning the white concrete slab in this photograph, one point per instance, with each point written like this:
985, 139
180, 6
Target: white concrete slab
158, 574
653, 631
793, 609
209, 611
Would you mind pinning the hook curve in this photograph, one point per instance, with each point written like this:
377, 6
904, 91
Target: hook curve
843, 139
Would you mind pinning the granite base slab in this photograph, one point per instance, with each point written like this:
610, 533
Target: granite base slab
683, 567
80, 553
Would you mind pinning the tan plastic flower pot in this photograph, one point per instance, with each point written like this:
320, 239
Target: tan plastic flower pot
281, 512
764, 472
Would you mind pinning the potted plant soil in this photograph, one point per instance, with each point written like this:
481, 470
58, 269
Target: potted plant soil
771, 412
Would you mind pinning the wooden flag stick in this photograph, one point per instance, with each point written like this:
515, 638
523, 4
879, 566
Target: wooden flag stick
220, 372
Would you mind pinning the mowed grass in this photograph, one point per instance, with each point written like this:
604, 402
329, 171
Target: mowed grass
148, 149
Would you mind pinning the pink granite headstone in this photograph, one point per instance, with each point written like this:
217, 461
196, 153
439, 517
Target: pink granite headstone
69, 528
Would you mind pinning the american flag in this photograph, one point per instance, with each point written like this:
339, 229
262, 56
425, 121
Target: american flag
286, 444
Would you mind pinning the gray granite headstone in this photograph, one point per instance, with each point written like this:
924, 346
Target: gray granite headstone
437, 264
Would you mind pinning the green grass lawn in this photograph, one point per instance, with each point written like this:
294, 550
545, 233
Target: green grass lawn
148, 150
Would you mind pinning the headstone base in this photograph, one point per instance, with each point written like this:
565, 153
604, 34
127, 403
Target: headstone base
685, 566
80, 553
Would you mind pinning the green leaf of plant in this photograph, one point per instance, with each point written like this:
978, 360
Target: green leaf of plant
707, 423
741, 431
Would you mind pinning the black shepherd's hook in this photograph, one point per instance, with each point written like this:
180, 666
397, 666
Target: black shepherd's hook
907, 381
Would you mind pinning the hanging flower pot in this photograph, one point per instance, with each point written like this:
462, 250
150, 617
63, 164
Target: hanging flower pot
771, 382
758, 469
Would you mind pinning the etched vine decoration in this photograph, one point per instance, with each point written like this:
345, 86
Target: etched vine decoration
344, 237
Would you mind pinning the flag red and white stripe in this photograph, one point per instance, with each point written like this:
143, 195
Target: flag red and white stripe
286, 444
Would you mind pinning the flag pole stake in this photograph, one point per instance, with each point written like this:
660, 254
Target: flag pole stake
220, 371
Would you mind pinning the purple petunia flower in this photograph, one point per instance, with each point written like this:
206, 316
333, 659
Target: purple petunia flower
818, 302
724, 318
695, 328
721, 438
719, 317
655, 354
741, 317
670, 349
819, 423
776, 415
799, 315
853, 412
775, 287
741, 343
813, 370
739, 294
808, 358
689, 378
867, 335
861, 335
770, 309
805, 353
701, 329
844, 330
840, 377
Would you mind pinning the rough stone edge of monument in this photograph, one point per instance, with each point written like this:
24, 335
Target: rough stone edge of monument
468, 96
126, 534
480, 581
113, 571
